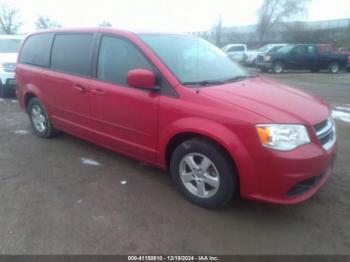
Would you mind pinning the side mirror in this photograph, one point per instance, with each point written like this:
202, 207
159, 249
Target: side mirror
142, 78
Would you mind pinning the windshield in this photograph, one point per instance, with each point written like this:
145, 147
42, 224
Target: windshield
193, 60
285, 49
10, 45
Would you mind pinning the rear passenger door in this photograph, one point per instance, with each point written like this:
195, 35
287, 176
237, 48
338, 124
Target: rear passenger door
125, 117
69, 79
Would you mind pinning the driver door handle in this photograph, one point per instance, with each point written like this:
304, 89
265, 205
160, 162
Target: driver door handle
98, 91
79, 88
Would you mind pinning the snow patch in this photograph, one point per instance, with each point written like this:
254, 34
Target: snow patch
343, 108
14, 101
89, 162
21, 132
341, 115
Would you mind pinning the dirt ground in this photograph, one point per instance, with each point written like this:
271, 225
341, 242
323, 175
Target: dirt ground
67, 196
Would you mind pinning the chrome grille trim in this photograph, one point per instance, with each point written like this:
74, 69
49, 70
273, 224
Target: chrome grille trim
324, 130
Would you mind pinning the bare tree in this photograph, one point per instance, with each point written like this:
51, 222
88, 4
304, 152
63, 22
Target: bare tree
105, 24
9, 19
44, 22
274, 12
217, 30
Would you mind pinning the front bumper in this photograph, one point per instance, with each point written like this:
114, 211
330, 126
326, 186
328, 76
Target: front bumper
290, 177
7, 80
263, 64
9, 85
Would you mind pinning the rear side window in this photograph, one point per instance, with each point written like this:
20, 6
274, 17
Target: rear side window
116, 57
71, 53
36, 50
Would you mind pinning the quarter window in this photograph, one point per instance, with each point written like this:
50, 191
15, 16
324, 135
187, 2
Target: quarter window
117, 57
36, 50
71, 53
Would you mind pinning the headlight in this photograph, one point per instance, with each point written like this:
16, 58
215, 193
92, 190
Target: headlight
283, 137
267, 58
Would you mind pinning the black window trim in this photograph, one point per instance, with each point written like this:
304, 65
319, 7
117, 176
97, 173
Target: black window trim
94, 36
159, 76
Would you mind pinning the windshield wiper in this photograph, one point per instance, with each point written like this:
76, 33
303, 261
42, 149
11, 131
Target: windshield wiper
219, 82
204, 82
238, 78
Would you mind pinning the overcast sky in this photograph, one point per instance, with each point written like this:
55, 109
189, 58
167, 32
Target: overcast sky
161, 15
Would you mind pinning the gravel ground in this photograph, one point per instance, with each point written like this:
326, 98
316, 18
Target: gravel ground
67, 196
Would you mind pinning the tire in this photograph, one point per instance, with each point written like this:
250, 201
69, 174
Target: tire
334, 68
278, 68
264, 70
348, 69
39, 120
196, 154
3, 91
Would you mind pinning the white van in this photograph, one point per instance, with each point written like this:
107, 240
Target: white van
9, 47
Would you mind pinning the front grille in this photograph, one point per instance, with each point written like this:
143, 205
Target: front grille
8, 67
325, 132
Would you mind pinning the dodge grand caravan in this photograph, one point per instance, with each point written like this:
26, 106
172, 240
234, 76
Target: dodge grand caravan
182, 104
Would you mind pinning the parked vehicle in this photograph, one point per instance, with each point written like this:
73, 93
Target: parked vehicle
253, 54
9, 46
303, 56
237, 52
180, 103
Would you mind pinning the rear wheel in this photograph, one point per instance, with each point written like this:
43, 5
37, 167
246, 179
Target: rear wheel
39, 119
334, 68
278, 68
203, 173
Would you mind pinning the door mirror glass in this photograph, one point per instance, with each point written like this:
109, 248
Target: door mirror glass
141, 78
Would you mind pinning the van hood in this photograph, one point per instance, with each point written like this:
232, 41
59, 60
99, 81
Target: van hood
272, 100
8, 57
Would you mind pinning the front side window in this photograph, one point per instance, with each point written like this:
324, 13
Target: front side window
193, 59
285, 49
10, 45
301, 50
36, 50
236, 49
116, 58
71, 53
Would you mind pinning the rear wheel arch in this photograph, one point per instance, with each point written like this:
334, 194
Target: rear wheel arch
28, 96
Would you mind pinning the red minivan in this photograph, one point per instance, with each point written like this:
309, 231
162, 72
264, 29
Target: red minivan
180, 103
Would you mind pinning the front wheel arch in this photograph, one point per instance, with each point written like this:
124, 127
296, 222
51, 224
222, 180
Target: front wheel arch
178, 139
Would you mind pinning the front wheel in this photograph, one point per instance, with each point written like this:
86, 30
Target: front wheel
39, 119
278, 68
334, 68
264, 69
203, 173
3, 91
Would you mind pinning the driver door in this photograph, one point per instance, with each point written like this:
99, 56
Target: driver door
126, 118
